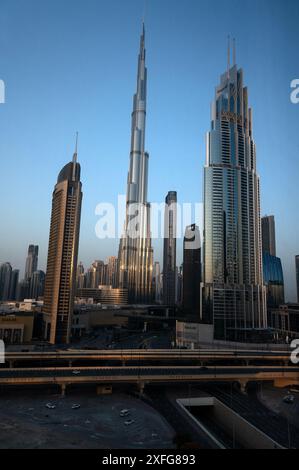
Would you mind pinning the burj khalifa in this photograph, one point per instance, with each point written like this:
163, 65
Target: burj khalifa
135, 250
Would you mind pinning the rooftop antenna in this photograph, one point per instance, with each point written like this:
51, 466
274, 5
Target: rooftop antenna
235, 53
228, 56
75, 157
144, 13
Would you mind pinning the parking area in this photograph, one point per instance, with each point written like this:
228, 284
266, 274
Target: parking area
51, 422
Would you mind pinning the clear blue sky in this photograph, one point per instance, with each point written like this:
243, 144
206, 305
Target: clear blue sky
70, 65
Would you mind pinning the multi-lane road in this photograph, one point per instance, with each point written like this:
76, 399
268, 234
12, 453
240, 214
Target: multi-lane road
147, 366
202, 357
144, 375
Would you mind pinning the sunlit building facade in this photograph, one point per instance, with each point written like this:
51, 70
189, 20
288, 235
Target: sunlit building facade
60, 284
135, 250
234, 294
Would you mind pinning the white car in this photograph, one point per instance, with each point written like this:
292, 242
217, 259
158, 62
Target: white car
76, 407
124, 413
76, 372
129, 422
50, 406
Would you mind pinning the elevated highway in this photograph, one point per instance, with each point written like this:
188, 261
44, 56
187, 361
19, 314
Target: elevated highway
153, 356
141, 376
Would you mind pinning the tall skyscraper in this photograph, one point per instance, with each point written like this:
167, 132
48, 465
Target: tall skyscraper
135, 251
192, 271
169, 255
157, 282
23, 290
31, 262
274, 280
111, 272
97, 275
272, 266
14, 281
80, 276
37, 285
268, 235
60, 283
297, 276
235, 298
5, 280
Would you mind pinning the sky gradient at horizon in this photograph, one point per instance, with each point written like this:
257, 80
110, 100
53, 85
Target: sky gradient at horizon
71, 65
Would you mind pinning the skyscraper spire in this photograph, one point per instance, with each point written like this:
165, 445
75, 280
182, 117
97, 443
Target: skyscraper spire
228, 55
75, 157
234, 52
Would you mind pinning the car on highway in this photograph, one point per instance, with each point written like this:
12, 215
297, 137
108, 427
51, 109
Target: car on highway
124, 413
76, 372
129, 422
76, 407
50, 406
289, 399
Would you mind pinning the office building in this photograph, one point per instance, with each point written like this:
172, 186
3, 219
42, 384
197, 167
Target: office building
169, 254
60, 285
37, 285
269, 235
5, 280
297, 276
274, 280
192, 272
31, 262
234, 294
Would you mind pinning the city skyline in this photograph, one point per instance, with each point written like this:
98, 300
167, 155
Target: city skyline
97, 247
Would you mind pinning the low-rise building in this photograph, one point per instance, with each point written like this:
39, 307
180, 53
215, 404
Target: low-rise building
285, 320
16, 327
105, 295
191, 335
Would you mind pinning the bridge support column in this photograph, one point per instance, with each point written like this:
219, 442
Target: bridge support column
141, 387
70, 363
63, 389
11, 364
243, 386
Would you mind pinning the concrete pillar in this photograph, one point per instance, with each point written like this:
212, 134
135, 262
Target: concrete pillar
243, 386
141, 386
63, 389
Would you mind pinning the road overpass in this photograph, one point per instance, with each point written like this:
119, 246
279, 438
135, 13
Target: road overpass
154, 356
141, 376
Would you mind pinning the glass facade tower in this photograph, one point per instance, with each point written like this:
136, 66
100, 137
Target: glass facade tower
235, 298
